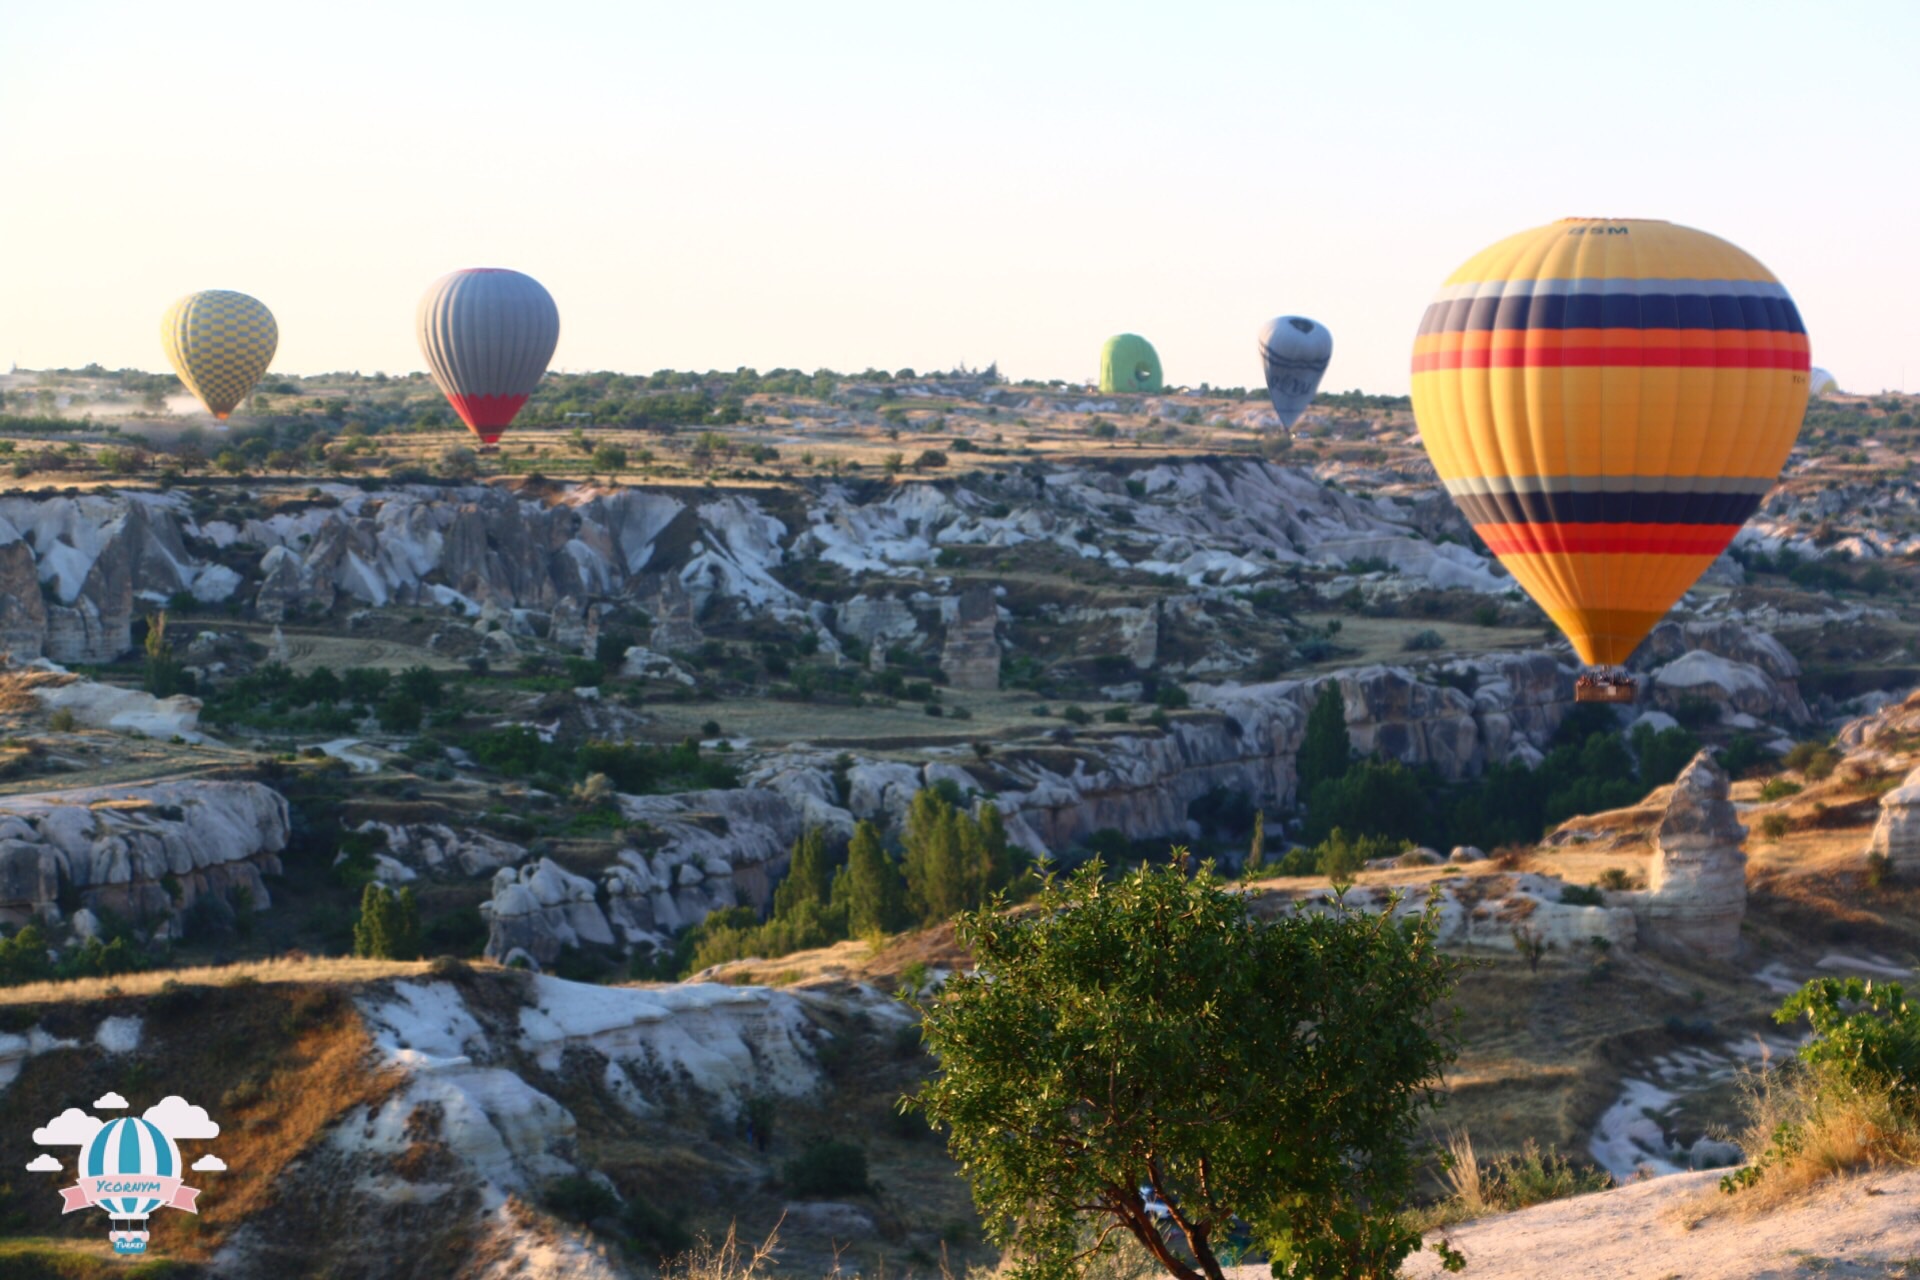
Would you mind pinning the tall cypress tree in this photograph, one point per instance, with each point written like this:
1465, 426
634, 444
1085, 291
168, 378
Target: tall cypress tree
1257, 847
809, 877
869, 888
1326, 750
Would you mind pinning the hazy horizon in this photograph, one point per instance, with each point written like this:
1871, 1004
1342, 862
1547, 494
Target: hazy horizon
867, 185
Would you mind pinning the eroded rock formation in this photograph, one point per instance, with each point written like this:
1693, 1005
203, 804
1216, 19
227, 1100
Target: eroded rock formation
1697, 886
146, 853
1896, 836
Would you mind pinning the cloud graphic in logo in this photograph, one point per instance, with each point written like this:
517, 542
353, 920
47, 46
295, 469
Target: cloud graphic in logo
109, 1102
180, 1119
71, 1128
209, 1164
43, 1163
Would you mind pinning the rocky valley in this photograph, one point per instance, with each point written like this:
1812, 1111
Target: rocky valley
575, 720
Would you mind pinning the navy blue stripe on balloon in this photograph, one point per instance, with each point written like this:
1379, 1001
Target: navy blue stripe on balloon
1563, 507
1614, 311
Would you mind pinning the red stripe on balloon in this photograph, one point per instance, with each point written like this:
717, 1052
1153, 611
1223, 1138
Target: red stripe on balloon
1607, 539
487, 413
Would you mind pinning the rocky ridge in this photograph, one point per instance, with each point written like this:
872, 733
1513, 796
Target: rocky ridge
149, 854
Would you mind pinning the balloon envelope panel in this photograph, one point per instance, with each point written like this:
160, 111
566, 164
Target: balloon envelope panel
219, 342
1294, 351
131, 1147
487, 334
1608, 400
1128, 362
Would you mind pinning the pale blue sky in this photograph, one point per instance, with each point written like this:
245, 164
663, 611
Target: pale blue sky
841, 184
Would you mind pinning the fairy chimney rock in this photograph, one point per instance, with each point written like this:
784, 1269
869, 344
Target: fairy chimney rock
1697, 887
971, 656
1896, 837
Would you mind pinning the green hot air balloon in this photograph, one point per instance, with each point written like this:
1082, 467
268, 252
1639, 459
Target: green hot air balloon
1129, 363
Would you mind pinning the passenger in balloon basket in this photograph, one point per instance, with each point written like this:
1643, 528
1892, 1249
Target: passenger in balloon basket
1603, 685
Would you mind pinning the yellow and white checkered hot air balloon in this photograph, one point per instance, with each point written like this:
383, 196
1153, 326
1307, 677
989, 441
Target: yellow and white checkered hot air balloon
220, 342
1608, 400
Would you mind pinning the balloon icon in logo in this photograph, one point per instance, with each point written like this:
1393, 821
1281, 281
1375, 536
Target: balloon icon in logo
129, 1169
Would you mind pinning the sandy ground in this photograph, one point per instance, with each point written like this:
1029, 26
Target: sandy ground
1867, 1225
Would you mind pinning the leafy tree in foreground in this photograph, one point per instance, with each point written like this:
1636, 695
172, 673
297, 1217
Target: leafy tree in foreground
1149, 1033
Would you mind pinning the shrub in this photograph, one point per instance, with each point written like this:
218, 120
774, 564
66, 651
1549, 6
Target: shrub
1851, 1099
1117, 715
1074, 714
1428, 639
1779, 789
1774, 826
1510, 1183
1615, 879
1817, 760
580, 1199
1582, 895
827, 1169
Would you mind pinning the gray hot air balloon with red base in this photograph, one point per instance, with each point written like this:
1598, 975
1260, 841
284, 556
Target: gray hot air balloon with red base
488, 334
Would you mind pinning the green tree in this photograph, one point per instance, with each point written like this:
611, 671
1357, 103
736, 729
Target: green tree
1257, 847
609, 458
388, 927
1326, 750
809, 876
1373, 797
457, 462
1277, 1074
868, 888
953, 861
935, 861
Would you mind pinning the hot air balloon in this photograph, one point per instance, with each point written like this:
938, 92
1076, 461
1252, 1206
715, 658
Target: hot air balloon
487, 334
1129, 363
220, 342
133, 1151
1294, 351
1608, 400
1822, 383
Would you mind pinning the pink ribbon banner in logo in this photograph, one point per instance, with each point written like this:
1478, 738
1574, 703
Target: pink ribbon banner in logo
89, 1192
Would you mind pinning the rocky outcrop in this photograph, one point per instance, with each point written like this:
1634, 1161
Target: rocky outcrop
706, 851
540, 910
971, 656
23, 613
1496, 913
106, 706
146, 853
436, 847
1896, 836
1696, 891
1744, 671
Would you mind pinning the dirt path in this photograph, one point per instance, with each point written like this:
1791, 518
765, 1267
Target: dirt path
1867, 1225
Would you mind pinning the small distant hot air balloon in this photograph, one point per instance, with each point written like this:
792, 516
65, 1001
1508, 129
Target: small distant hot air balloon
220, 342
1294, 351
1129, 363
488, 334
1822, 383
1608, 400
134, 1152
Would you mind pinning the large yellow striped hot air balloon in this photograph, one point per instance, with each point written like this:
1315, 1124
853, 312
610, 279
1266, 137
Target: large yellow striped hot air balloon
220, 342
1608, 400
